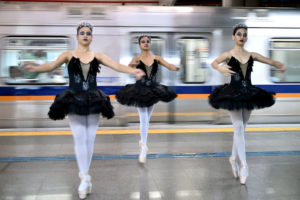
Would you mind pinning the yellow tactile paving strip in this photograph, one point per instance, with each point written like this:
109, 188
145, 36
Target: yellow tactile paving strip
151, 131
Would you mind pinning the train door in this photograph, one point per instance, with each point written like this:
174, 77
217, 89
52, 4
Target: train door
190, 50
193, 50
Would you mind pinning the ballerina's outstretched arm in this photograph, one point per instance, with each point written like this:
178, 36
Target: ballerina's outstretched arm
48, 67
257, 57
166, 64
105, 60
224, 69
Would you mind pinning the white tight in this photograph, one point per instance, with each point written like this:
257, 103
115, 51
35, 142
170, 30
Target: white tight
84, 129
145, 115
239, 120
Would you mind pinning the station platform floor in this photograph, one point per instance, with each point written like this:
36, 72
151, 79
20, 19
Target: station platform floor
185, 161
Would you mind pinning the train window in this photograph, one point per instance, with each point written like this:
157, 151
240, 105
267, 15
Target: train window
157, 47
21, 51
194, 53
286, 51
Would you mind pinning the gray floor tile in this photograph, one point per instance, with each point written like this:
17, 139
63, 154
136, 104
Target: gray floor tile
207, 178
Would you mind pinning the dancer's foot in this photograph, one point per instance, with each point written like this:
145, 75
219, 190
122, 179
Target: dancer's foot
244, 173
85, 186
234, 166
143, 152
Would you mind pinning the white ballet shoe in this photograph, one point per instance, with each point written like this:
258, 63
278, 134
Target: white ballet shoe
89, 179
85, 186
244, 173
234, 166
143, 152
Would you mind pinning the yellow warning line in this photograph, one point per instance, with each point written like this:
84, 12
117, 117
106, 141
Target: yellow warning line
179, 96
152, 131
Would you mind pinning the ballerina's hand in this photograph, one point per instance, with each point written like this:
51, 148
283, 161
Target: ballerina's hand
281, 67
139, 74
30, 68
225, 70
178, 67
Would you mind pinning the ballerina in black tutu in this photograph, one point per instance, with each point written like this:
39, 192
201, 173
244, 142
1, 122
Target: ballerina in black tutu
83, 101
240, 96
147, 91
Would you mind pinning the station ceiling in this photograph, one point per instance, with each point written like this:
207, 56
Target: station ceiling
236, 3
257, 3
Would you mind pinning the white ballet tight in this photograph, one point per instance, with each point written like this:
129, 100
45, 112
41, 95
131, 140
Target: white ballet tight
145, 115
84, 129
239, 120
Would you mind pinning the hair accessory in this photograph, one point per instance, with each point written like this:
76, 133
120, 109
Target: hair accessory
84, 24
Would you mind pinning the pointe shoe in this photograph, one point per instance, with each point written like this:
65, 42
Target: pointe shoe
85, 186
244, 174
143, 152
89, 179
234, 167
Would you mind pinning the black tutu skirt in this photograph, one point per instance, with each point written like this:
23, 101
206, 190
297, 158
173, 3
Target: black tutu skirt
230, 98
81, 103
144, 96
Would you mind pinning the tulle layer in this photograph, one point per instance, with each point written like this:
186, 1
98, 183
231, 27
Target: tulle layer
143, 96
81, 103
230, 98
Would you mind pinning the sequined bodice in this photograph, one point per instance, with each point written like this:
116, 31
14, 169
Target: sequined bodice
151, 70
242, 76
150, 78
148, 70
83, 77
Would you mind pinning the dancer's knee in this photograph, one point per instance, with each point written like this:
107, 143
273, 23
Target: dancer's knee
238, 127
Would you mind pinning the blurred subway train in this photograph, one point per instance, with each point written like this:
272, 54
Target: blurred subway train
190, 36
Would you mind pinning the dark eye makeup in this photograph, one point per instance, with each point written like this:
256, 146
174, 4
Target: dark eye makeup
145, 41
85, 33
242, 34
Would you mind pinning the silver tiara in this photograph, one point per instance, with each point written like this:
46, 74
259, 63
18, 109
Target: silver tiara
85, 24
240, 25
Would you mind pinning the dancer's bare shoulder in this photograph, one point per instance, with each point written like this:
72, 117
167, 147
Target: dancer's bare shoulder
224, 57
